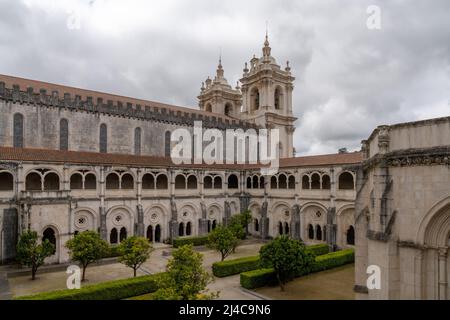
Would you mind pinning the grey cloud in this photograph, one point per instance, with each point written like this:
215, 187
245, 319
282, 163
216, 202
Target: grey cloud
348, 79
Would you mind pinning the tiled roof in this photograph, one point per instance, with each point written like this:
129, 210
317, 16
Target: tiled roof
95, 158
84, 93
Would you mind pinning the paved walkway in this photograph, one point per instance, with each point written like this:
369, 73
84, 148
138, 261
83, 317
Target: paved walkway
5, 293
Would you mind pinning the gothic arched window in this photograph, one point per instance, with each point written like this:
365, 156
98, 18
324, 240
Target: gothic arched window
18, 131
103, 138
137, 141
351, 235
63, 134
50, 235
277, 99
167, 144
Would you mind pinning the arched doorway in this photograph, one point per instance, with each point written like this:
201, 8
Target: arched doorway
181, 229
310, 232
351, 236
123, 234
113, 236
50, 235
188, 228
158, 233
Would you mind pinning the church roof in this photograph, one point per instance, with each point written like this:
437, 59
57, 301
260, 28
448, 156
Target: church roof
96, 158
24, 84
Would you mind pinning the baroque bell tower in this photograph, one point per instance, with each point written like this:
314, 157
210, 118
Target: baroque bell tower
219, 97
267, 97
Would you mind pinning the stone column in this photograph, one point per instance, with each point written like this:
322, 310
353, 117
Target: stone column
203, 221
102, 209
173, 224
140, 228
295, 222
264, 221
227, 212
331, 228
442, 254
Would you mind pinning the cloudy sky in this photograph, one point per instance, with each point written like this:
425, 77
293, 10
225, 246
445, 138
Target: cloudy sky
349, 78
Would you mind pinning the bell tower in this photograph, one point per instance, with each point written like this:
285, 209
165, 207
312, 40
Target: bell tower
219, 97
267, 97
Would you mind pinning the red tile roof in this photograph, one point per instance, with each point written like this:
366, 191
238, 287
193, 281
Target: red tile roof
95, 158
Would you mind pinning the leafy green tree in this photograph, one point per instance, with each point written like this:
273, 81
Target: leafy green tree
286, 256
239, 224
185, 278
134, 251
223, 239
87, 247
32, 254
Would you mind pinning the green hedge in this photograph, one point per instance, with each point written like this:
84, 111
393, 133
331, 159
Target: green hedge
262, 277
318, 249
112, 290
236, 266
195, 241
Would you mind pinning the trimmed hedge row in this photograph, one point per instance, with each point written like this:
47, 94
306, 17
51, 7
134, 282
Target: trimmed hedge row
262, 277
236, 266
195, 241
111, 290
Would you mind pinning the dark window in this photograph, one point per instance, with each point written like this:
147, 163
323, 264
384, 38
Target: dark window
157, 233
63, 134
51, 181
192, 182
167, 144
33, 181
181, 229
148, 181
286, 228
315, 181
233, 182
305, 182
137, 141
291, 183
161, 181
351, 235
228, 109
280, 228
326, 182
255, 183
6, 181
261, 182
112, 181
76, 181
180, 182
277, 98
310, 232
123, 234
113, 236
207, 182
18, 131
346, 181
282, 183
49, 234
217, 183
256, 225
127, 181
188, 228
249, 183
214, 224
103, 138
209, 226
90, 181
273, 182
318, 232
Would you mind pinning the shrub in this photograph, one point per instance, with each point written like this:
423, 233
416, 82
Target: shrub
258, 278
112, 290
318, 249
223, 240
235, 266
195, 241
262, 277
112, 252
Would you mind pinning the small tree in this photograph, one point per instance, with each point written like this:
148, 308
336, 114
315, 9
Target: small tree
185, 278
86, 247
239, 224
134, 251
223, 240
287, 257
32, 254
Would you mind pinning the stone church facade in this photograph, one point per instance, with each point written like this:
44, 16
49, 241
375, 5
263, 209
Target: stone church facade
74, 160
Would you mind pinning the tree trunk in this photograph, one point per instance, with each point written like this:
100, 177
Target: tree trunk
33, 272
83, 278
134, 271
223, 256
280, 282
